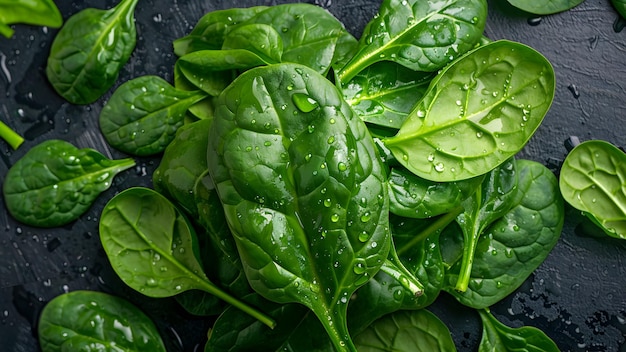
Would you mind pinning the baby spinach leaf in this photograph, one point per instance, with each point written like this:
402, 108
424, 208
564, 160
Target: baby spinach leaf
420, 35
208, 33
406, 331
54, 183
153, 249
620, 7
499, 337
89, 321
303, 190
89, 51
515, 244
478, 112
384, 93
545, 7
143, 114
493, 198
414, 197
258, 38
34, 12
592, 180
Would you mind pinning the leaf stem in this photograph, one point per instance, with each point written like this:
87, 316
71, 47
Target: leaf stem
6, 133
435, 226
5, 30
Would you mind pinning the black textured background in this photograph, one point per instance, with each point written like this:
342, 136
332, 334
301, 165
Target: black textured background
577, 296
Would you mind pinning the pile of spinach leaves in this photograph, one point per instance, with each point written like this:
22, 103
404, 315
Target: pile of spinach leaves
328, 188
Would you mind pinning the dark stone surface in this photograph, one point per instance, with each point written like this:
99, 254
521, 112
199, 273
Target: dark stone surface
577, 296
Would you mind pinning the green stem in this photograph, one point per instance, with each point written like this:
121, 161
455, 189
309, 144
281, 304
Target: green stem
469, 249
403, 276
441, 222
6, 133
5, 30
335, 324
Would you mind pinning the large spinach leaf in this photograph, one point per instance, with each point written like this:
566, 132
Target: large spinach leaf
545, 7
35, 12
153, 248
406, 331
54, 183
89, 51
303, 190
592, 180
499, 337
478, 112
95, 321
420, 35
515, 244
143, 114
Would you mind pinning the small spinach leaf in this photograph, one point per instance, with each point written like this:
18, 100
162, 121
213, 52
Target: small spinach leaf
54, 183
478, 112
406, 331
592, 180
261, 39
545, 7
89, 321
620, 7
420, 35
89, 51
499, 337
34, 12
143, 114
153, 249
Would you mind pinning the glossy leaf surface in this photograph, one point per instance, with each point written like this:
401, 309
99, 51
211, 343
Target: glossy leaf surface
517, 243
143, 114
592, 180
620, 7
499, 337
546, 7
37, 12
90, 321
54, 183
88, 53
153, 249
420, 35
291, 181
478, 112
406, 331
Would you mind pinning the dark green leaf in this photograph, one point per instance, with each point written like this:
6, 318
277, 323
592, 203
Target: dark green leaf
258, 38
420, 35
89, 51
501, 338
34, 12
620, 7
478, 112
90, 321
55, 182
545, 7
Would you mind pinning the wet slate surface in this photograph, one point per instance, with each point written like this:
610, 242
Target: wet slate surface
577, 296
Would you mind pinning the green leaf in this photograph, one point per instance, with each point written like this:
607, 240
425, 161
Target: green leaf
478, 112
406, 331
33, 12
499, 337
258, 38
510, 250
592, 180
142, 116
89, 321
420, 35
291, 182
620, 7
152, 248
88, 53
54, 183
545, 7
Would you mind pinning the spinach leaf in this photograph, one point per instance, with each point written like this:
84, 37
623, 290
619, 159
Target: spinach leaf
54, 183
385, 92
406, 331
261, 39
34, 12
620, 7
592, 180
208, 33
89, 321
499, 337
493, 198
420, 35
153, 249
515, 244
546, 7
478, 112
302, 188
414, 197
143, 114
89, 51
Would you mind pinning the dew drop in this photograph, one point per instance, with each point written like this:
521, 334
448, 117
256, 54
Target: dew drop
439, 167
304, 102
